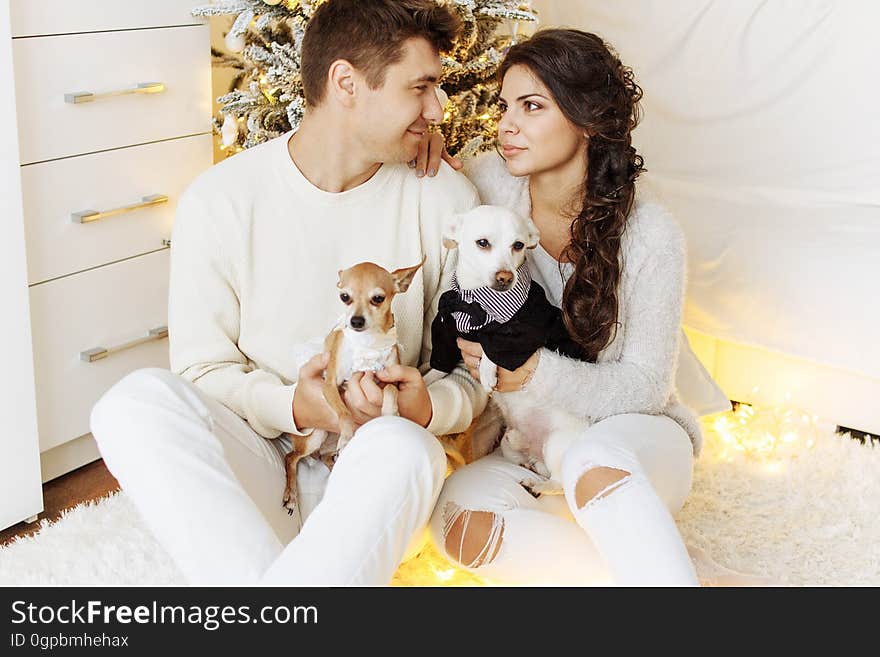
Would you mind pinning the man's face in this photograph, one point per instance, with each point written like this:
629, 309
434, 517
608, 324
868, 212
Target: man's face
390, 120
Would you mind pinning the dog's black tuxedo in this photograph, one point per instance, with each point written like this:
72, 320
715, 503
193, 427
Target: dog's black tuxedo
536, 324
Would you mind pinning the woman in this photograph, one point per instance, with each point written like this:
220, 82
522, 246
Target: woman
615, 263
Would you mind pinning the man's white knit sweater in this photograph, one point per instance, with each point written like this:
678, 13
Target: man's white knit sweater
635, 372
256, 250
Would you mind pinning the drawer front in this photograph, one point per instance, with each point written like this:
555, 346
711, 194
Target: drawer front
62, 239
47, 69
106, 307
32, 18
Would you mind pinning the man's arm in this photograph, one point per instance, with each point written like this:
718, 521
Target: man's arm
456, 398
204, 320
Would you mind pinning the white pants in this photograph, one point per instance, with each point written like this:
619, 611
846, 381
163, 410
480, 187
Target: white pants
624, 535
210, 489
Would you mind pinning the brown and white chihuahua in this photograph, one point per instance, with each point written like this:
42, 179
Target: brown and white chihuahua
364, 339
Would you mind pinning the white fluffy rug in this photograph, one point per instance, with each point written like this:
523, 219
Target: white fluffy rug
800, 513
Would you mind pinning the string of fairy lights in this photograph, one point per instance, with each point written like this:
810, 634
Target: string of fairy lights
772, 435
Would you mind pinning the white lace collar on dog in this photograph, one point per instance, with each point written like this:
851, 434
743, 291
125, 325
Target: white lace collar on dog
365, 351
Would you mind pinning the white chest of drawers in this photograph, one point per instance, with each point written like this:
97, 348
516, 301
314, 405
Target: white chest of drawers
109, 122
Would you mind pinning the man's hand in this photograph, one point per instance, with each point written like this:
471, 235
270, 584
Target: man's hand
508, 380
362, 396
432, 149
413, 400
310, 409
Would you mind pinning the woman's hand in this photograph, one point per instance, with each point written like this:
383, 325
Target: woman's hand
508, 381
432, 149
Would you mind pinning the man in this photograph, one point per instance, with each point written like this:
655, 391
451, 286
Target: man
257, 243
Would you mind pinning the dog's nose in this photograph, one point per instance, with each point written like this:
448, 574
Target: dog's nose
358, 322
504, 278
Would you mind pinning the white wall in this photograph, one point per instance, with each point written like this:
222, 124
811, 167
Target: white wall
761, 133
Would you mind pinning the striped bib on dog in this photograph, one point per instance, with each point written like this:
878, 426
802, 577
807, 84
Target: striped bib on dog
495, 306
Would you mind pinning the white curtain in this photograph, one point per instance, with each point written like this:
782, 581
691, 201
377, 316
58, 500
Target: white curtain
762, 134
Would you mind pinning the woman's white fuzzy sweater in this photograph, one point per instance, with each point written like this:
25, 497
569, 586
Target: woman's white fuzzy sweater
635, 372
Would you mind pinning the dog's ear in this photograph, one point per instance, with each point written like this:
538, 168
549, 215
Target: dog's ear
452, 231
533, 235
403, 277
339, 282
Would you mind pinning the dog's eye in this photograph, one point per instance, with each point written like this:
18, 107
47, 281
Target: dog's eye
378, 299
345, 298
483, 243
518, 246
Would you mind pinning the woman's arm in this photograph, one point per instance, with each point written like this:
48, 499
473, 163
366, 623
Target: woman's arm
643, 377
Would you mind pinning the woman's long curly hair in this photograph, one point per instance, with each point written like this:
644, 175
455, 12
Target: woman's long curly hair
597, 93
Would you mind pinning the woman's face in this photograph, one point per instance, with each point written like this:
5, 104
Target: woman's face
533, 134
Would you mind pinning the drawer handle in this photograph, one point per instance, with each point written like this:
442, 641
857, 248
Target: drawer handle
78, 97
85, 216
91, 355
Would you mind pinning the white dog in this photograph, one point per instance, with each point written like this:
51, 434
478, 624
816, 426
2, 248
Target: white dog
493, 301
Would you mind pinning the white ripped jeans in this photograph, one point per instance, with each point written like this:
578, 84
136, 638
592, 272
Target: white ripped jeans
624, 535
210, 489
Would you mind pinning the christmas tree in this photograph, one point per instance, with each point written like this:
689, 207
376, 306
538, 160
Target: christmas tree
266, 98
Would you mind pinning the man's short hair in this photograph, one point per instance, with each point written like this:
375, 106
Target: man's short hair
370, 34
